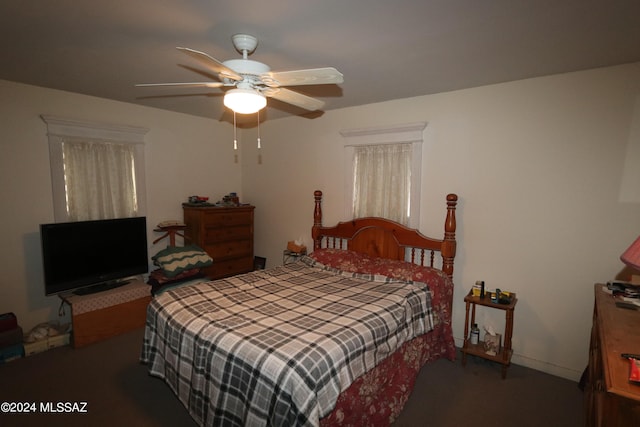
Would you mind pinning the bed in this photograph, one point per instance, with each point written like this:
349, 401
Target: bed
336, 338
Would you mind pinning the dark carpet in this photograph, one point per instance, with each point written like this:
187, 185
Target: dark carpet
107, 382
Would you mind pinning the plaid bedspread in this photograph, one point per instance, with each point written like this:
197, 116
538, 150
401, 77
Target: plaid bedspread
276, 347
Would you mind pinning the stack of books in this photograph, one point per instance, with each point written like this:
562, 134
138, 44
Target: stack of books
625, 289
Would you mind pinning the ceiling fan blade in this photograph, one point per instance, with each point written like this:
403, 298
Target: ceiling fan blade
294, 98
314, 76
193, 84
212, 63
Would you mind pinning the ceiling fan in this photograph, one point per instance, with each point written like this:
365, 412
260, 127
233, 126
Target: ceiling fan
253, 81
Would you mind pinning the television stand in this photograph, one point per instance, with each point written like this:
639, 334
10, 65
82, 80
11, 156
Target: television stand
100, 287
101, 315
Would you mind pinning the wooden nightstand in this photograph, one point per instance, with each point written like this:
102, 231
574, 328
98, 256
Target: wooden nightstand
290, 256
504, 355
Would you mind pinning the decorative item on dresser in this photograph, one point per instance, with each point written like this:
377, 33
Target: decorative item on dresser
225, 233
278, 347
631, 257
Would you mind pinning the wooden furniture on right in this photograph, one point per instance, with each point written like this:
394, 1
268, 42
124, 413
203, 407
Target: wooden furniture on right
611, 399
504, 354
225, 233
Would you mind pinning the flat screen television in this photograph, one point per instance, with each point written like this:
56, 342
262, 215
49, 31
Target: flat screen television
91, 256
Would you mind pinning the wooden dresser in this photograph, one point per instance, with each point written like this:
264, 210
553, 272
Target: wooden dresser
226, 234
611, 399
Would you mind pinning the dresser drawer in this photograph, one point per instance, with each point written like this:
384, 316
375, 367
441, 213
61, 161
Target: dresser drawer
231, 249
239, 232
229, 268
227, 218
226, 234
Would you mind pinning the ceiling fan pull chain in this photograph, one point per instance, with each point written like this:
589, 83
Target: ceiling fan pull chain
259, 130
235, 140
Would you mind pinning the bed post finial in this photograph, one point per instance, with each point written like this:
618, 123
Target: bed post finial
317, 219
449, 243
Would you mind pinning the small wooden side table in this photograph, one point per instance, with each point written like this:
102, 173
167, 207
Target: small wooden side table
503, 356
170, 231
290, 256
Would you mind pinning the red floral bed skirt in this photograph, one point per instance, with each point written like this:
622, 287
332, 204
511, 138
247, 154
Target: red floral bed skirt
377, 397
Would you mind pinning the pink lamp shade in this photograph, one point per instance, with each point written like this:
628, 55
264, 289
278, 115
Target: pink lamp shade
631, 256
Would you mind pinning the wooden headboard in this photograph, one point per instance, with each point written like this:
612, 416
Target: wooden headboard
388, 239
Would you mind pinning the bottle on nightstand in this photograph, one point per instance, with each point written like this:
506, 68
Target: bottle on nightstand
475, 334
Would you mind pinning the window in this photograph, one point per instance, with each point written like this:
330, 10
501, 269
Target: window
99, 179
97, 170
383, 166
382, 181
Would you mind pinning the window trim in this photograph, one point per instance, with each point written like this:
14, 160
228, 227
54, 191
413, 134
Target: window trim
394, 134
59, 128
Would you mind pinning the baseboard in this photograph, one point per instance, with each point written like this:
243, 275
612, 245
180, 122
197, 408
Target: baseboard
546, 367
539, 365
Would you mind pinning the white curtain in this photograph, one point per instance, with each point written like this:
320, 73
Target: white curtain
99, 179
382, 181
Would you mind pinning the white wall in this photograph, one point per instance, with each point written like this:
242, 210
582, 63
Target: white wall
185, 155
538, 166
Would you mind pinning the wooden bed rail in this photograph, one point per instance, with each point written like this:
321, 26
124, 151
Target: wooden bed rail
388, 239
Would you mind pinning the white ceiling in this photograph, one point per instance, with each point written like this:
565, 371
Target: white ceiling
385, 49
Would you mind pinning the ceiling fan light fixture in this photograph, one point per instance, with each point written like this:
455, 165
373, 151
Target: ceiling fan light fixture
254, 81
244, 101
